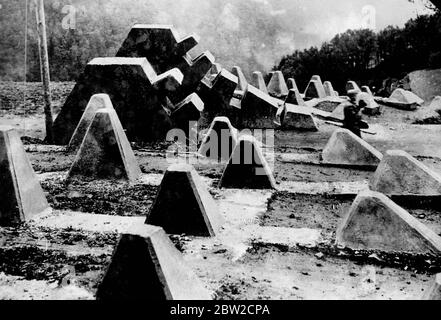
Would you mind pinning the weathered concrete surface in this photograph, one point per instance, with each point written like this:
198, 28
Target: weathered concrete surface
294, 97
314, 90
375, 222
368, 104
258, 81
345, 148
97, 102
105, 152
367, 90
338, 112
329, 89
146, 266
401, 174
220, 140
136, 91
21, 196
352, 85
292, 84
160, 44
242, 84
293, 117
184, 205
247, 168
405, 96
434, 292
316, 77
189, 110
217, 95
277, 86
258, 110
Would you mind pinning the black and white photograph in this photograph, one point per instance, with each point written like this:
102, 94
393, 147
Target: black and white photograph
231, 152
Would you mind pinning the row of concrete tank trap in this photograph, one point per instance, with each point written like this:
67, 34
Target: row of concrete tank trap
184, 205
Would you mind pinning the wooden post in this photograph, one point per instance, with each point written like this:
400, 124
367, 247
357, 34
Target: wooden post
44, 67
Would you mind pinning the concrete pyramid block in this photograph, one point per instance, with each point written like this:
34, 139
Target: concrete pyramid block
136, 91
367, 103
367, 90
401, 174
220, 141
277, 86
316, 78
292, 84
404, 96
258, 110
242, 84
292, 117
97, 102
184, 205
434, 292
352, 85
189, 110
247, 167
315, 90
259, 82
294, 97
374, 222
329, 89
147, 266
21, 196
160, 44
346, 148
105, 152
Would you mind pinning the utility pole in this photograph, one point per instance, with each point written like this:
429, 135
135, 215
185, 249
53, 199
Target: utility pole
44, 67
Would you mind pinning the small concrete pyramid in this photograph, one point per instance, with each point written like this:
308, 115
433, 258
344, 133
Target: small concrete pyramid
315, 90
292, 84
293, 117
346, 148
294, 97
277, 86
316, 78
434, 292
401, 174
147, 266
405, 96
367, 90
329, 89
259, 82
242, 84
352, 85
374, 222
220, 140
184, 205
247, 168
97, 102
105, 152
21, 196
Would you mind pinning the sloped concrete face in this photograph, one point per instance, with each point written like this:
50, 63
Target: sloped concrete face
258, 110
329, 89
247, 168
375, 222
367, 102
277, 86
345, 148
220, 141
367, 90
292, 117
315, 90
404, 96
401, 174
21, 196
217, 95
242, 84
187, 111
184, 205
292, 84
434, 292
136, 91
160, 44
294, 97
97, 102
146, 266
352, 85
259, 82
105, 152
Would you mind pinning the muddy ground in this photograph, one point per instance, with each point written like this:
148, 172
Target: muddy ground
274, 245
